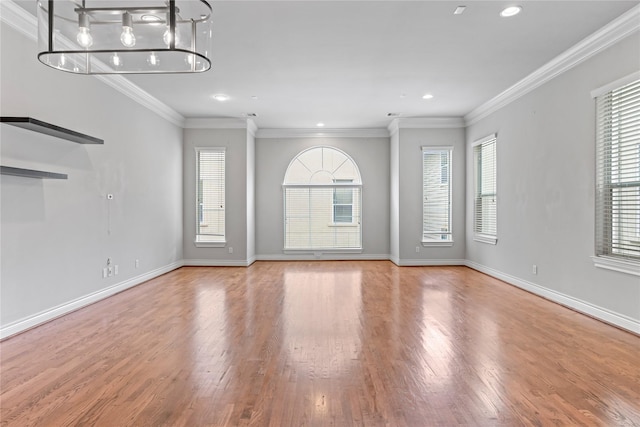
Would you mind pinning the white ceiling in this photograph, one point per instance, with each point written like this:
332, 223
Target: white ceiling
349, 63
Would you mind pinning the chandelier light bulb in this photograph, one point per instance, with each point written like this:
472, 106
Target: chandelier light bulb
84, 38
166, 37
127, 38
116, 61
153, 60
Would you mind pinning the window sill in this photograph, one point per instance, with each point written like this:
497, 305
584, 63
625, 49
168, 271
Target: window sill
622, 266
436, 243
201, 244
342, 224
485, 238
319, 252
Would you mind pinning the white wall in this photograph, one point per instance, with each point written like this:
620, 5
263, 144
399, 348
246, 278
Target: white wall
410, 145
272, 159
57, 235
237, 220
546, 187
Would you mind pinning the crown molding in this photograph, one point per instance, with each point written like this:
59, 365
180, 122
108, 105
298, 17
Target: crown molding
429, 122
610, 34
252, 128
19, 19
324, 133
27, 24
217, 123
393, 127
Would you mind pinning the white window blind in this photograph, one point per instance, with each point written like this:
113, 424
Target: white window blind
322, 202
485, 223
436, 195
210, 221
618, 173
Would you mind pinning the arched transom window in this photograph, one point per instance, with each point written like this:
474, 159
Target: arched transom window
322, 201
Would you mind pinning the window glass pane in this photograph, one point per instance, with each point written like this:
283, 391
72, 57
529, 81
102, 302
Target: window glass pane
211, 195
485, 202
436, 208
322, 200
618, 173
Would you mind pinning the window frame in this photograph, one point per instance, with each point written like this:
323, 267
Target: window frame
334, 204
355, 185
607, 147
448, 152
482, 235
199, 241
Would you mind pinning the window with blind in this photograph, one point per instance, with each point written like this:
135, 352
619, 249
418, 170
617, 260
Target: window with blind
618, 172
485, 207
322, 202
210, 221
436, 196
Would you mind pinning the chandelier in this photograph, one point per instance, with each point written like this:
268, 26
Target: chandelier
125, 37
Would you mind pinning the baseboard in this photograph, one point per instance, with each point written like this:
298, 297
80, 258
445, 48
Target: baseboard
324, 257
218, 262
66, 308
428, 262
603, 314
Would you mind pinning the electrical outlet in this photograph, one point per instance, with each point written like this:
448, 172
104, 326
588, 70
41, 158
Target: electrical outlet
104, 273
230, 249
137, 263
534, 269
115, 269
417, 249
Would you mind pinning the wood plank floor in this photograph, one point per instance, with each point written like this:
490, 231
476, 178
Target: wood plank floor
346, 343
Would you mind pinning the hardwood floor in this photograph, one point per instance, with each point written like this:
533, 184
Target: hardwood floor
346, 343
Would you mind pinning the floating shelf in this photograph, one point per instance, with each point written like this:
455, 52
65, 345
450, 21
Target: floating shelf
30, 173
49, 129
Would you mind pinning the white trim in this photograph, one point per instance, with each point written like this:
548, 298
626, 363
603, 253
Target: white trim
437, 148
210, 244
218, 262
252, 128
428, 262
78, 303
324, 133
618, 265
484, 139
27, 24
393, 127
216, 123
616, 85
600, 313
435, 244
124, 86
606, 36
19, 19
324, 257
485, 238
430, 123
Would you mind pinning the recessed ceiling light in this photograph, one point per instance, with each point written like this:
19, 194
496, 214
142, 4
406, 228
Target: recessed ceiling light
221, 97
427, 96
511, 11
320, 124
459, 10
254, 96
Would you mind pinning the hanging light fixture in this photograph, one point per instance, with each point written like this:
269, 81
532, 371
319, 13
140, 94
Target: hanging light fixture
124, 37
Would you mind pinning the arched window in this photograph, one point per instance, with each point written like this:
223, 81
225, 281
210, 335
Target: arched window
322, 201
